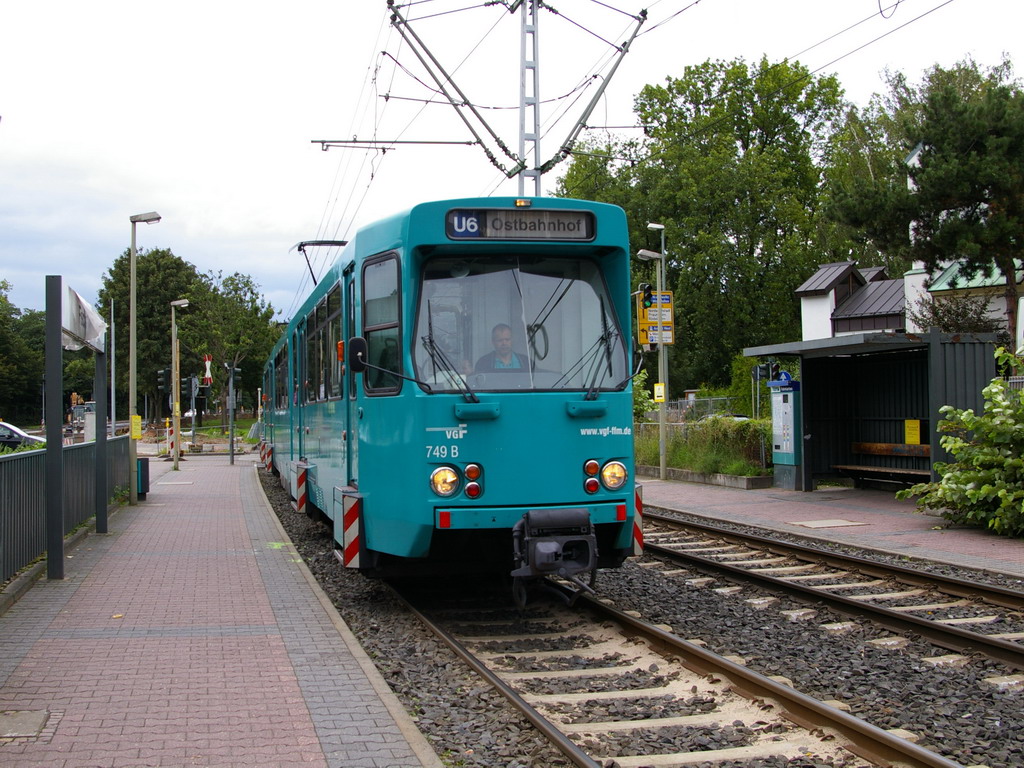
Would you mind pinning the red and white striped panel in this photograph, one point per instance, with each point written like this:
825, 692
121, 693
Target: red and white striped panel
638, 521
351, 538
263, 453
270, 457
301, 497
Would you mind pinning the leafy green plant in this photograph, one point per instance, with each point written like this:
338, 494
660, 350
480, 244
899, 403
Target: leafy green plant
711, 446
984, 485
642, 400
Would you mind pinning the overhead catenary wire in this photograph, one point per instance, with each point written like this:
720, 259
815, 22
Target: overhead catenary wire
712, 123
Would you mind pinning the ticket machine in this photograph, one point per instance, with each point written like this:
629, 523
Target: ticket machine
787, 432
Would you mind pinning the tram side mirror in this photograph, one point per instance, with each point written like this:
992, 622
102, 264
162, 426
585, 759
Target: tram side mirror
357, 354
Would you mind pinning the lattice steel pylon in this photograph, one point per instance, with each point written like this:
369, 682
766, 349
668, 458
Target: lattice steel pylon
529, 96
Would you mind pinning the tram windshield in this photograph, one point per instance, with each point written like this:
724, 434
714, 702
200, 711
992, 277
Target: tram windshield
500, 323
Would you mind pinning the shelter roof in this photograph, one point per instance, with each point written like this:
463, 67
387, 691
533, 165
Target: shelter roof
828, 277
849, 344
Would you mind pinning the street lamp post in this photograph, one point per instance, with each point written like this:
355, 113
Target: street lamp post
659, 257
176, 380
134, 423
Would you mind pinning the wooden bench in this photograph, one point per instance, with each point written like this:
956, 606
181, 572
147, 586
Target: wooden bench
894, 474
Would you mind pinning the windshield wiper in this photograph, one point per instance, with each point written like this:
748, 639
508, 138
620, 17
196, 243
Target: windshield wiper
590, 365
441, 361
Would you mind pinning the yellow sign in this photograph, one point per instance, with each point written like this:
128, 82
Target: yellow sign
136, 426
912, 431
659, 393
656, 325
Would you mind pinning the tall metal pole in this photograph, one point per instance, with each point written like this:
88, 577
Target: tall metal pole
133, 485
176, 381
175, 388
113, 381
134, 423
231, 414
54, 461
662, 364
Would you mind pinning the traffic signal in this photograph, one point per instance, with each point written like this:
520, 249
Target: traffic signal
647, 295
774, 372
163, 380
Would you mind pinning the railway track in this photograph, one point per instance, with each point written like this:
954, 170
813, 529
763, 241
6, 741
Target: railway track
951, 613
604, 685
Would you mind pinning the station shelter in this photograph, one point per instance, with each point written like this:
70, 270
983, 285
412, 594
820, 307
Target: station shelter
866, 403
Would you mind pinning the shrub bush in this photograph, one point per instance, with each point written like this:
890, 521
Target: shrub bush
984, 485
710, 446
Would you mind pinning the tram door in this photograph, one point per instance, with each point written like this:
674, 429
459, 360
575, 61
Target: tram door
352, 403
300, 376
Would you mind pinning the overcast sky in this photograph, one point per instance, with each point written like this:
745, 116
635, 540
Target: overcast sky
206, 110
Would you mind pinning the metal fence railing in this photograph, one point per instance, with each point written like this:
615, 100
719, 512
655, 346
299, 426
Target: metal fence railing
23, 497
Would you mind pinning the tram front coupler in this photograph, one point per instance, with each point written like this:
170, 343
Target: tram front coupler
553, 542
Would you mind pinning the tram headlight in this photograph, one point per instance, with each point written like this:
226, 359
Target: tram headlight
444, 481
613, 475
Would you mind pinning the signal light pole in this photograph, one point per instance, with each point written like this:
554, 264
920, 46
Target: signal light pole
176, 381
646, 255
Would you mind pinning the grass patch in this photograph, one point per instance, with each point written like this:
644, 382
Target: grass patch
711, 446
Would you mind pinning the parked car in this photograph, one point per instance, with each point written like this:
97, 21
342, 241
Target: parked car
11, 437
727, 416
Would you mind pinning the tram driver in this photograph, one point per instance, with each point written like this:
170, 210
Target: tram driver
503, 358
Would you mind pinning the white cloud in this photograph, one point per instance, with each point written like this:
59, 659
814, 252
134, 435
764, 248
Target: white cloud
205, 111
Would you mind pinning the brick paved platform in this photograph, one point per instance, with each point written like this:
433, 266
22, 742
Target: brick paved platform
870, 519
192, 634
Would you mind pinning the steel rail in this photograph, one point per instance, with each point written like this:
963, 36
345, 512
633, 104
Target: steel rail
1008, 598
946, 636
563, 743
866, 740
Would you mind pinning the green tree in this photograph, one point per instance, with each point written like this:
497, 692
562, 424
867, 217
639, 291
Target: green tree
965, 197
21, 363
161, 277
229, 319
732, 166
955, 314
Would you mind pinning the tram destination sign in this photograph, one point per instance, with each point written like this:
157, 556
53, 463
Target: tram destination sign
519, 224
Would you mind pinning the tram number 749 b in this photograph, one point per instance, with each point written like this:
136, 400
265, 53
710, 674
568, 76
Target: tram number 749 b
442, 451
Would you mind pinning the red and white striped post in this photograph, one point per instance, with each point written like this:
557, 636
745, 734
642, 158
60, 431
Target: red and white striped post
638, 521
300, 488
351, 538
170, 441
270, 457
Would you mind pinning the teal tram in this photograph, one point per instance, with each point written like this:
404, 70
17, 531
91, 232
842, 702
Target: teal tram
455, 394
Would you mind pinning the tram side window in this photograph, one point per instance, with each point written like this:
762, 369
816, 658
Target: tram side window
312, 369
321, 350
281, 379
332, 365
351, 321
381, 317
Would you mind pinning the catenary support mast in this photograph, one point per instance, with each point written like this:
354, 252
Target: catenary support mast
529, 96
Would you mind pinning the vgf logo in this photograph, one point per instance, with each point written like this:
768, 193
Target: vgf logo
464, 224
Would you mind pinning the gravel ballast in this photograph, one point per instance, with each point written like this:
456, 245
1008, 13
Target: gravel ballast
952, 710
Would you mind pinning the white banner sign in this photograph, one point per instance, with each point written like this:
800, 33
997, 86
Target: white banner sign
81, 325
